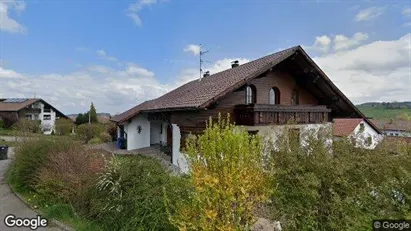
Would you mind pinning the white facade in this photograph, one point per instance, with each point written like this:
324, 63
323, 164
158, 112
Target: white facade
365, 136
46, 116
142, 133
397, 133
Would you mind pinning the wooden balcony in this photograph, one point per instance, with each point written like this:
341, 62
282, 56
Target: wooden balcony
263, 114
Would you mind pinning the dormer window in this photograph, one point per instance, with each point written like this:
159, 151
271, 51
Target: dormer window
251, 94
274, 96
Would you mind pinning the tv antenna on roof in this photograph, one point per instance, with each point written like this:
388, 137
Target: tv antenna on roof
201, 61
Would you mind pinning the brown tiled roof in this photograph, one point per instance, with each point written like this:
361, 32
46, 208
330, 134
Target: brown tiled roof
395, 125
16, 106
344, 127
198, 94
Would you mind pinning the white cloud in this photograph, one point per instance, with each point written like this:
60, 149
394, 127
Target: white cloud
369, 14
363, 74
9, 24
195, 49
407, 11
104, 55
341, 42
134, 9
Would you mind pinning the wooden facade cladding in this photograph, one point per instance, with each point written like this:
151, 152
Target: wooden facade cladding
265, 114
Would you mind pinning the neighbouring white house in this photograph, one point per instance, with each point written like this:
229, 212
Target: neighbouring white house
396, 128
360, 131
263, 95
32, 109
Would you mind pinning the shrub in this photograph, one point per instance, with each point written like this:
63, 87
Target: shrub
340, 190
8, 119
68, 176
64, 126
129, 195
27, 126
31, 155
87, 132
228, 178
112, 130
95, 140
105, 137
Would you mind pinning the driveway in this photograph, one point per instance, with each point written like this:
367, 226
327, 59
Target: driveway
10, 204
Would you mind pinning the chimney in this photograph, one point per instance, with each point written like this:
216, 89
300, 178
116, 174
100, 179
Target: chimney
235, 63
207, 73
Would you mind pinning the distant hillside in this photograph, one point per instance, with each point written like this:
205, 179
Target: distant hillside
385, 110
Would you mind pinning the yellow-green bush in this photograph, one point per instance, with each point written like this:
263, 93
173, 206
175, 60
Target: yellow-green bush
338, 188
64, 126
228, 178
27, 126
87, 132
105, 137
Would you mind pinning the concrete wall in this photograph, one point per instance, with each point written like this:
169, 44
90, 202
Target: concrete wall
137, 140
361, 137
275, 131
178, 157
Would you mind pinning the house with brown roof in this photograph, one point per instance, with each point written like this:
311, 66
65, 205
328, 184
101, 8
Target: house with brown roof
31, 109
260, 95
396, 128
357, 130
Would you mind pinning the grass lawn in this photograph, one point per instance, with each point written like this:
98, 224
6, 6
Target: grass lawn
382, 113
61, 212
8, 143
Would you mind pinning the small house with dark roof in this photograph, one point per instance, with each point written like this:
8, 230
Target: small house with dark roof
268, 91
31, 109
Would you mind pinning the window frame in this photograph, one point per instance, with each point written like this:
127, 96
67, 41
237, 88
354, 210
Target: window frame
276, 92
250, 94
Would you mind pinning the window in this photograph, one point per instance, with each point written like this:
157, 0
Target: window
362, 127
368, 141
36, 117
274, 96
47, 117
47, 110
251, 95
294, 98
28, 117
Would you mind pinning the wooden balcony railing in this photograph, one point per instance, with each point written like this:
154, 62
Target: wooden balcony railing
263, 114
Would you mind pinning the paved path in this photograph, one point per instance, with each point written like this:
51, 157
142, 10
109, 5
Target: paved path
10, 204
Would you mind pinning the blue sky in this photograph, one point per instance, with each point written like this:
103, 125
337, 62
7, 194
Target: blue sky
68, 40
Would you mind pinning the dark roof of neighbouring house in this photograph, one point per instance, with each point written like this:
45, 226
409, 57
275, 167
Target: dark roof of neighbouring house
393, 125
16, 105
199, 94
344, 127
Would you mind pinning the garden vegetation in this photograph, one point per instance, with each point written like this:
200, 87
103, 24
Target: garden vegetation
234, 179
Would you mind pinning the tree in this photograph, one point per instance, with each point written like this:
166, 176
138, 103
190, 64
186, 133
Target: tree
81, 118
228, 179
93, 114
